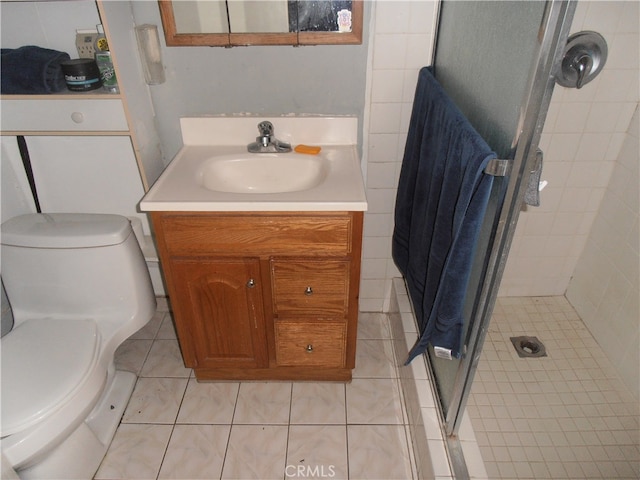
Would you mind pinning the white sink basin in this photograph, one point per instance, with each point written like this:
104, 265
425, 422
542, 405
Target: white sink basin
263, 172
213, 172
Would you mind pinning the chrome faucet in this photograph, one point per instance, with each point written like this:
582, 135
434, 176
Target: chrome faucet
266, 142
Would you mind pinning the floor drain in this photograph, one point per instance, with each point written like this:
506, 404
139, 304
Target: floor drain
529, 347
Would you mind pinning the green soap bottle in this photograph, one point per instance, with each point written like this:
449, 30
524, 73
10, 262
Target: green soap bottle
105, 63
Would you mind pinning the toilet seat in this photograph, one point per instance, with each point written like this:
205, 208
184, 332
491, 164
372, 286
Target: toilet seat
44, 362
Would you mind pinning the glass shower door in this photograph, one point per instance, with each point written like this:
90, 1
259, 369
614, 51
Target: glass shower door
496, 61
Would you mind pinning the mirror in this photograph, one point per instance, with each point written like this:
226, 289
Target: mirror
260, 22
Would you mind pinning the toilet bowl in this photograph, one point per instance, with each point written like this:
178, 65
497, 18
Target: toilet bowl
78, 287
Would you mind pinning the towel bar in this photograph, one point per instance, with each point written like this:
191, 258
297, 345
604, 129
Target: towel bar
498, 167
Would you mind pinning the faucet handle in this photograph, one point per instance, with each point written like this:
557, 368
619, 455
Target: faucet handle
265, 128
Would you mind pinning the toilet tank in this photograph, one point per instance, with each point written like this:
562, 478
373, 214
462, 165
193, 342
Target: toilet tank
76, 266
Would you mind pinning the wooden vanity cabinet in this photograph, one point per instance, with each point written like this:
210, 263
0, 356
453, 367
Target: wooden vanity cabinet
266, 295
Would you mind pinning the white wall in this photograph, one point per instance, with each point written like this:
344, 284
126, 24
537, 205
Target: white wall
46, 24
258, 80
605, 284
402, 34
581, 140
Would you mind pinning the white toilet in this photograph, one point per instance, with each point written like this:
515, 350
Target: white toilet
78, 286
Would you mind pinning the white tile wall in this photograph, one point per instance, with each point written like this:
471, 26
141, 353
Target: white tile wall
605, 284
401, 43
581, 140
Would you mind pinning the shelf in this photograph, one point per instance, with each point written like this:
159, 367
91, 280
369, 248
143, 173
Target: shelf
92, 95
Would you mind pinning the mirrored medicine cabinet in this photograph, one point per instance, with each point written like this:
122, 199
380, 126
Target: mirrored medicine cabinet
228, 23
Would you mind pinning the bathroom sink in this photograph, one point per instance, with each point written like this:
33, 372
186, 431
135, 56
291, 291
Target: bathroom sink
263, 173
214, 172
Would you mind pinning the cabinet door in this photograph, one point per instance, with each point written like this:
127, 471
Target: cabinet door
219, 303
87, 174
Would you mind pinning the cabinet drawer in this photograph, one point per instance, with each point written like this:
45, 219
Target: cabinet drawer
310, 287
310, 344
264, 234
66, 115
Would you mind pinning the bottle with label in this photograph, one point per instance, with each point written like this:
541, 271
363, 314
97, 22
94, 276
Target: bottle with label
105, 63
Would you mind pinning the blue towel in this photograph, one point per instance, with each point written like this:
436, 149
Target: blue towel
441, 200
32, 70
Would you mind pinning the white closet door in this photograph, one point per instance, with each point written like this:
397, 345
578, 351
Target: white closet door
90, 174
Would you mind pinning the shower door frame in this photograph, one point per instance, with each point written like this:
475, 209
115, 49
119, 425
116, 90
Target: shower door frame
554, 31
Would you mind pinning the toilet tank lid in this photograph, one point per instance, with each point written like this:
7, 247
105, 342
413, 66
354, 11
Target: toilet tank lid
65, 230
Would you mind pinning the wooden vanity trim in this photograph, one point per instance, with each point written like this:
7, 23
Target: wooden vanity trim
263, 233
357, 224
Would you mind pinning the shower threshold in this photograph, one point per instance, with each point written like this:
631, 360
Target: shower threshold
432, 453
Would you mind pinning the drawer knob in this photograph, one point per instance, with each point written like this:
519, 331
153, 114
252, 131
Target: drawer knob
308, 291
251, 283
309, 348
77, 117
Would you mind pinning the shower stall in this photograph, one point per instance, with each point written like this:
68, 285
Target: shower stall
499, 62
504, 91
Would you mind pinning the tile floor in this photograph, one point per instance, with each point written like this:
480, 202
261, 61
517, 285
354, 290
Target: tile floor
566, 415
175, 427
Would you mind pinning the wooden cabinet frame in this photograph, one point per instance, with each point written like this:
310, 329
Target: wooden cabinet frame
330, 241
175, 39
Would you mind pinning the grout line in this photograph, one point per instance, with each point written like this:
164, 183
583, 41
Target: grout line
286, 445
226, 449
346, 429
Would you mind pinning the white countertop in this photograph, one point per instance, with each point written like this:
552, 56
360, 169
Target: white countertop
179, 189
